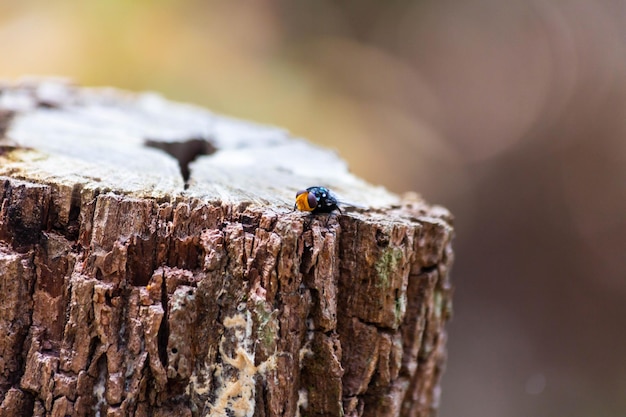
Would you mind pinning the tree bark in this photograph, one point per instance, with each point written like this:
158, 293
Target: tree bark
151, 264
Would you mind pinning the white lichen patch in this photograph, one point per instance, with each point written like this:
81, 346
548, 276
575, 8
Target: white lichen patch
99, 390
237, 320
303, 401
236, 396
303, 353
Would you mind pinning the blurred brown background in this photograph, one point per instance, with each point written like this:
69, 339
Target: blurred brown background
511, 114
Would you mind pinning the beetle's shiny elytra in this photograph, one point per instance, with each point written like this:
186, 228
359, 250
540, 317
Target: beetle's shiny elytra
316, 200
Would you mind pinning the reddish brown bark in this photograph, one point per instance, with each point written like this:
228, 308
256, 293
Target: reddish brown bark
134, 282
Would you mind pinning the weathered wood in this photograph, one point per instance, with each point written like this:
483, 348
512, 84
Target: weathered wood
151, 264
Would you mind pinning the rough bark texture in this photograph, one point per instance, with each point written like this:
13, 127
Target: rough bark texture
151, 265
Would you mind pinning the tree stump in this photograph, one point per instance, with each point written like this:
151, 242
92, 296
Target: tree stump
151, 264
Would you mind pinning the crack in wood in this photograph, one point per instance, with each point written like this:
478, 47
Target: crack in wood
164, 333
184, 151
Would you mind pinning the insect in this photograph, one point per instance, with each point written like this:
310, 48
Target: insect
316, 200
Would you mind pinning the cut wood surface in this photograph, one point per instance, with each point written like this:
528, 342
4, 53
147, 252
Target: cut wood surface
151, 264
